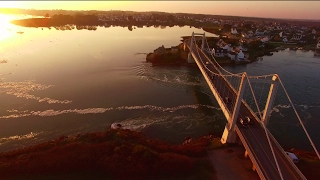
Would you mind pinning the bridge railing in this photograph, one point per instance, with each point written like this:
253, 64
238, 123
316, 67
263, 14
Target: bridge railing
251, 154
286, 156
216, 74
203, 66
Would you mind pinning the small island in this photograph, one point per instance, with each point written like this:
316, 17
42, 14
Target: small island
168, 56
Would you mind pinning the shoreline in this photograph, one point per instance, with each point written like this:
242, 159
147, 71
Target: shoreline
206, 153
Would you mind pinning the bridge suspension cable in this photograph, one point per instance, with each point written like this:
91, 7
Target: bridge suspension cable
229, 74
265, 130
217, 83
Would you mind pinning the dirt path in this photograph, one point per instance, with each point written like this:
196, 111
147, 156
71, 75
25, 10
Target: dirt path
230, 164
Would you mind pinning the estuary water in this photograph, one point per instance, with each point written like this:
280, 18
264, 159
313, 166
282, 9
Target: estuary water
55, 83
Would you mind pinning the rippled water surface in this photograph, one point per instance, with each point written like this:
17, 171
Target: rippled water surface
55, 83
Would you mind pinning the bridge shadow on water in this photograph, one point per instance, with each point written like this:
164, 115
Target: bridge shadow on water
201, 98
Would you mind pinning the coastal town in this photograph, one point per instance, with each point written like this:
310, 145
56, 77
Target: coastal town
240, 39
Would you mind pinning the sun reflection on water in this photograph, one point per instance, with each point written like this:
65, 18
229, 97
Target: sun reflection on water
5, 25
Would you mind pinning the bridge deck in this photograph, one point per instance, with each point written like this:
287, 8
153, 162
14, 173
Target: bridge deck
254, 137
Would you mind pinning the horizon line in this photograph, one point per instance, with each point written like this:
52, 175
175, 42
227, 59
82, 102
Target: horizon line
163, 12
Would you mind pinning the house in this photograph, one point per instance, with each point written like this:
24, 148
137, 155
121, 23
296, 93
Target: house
232, 55
219, 52
220, 42
280, 34
318, 45
227, 47
264, 39
240, 56
285, 40
259, 33
234, 30
296, 37
314, 31
174, 49
223, 45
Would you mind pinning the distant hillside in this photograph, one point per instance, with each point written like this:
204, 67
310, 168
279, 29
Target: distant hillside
118, 12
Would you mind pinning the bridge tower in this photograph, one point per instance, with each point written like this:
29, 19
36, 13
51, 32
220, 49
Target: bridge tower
270, 100
190, 58
229, 135
203, 41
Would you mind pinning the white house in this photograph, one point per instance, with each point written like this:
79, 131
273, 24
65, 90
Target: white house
240, 56
280, 34
314, 31
227, 47
220, 52
285, 40
234, 30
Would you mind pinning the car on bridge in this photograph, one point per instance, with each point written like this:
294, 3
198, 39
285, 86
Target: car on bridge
250, 120
293, 157
244, 122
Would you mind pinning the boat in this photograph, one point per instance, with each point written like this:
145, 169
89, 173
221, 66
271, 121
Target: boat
116, 126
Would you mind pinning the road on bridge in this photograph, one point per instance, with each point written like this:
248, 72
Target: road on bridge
255, 135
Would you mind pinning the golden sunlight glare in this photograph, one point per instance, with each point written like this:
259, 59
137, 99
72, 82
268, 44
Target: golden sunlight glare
9, 4
5, 30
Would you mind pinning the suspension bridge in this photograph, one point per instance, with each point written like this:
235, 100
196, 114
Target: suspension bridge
238, 99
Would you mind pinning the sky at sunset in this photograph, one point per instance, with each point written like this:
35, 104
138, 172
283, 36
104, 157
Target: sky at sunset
269, 9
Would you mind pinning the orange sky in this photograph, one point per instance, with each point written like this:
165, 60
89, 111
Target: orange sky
272, 9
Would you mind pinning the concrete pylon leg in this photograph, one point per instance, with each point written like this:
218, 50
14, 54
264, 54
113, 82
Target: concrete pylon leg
229, 135
270, 100
246, 154
203, 41
190, 58
254, 168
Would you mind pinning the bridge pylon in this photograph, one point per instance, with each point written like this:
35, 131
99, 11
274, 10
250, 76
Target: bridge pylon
190, 57
270, 100
203, 41
229, 135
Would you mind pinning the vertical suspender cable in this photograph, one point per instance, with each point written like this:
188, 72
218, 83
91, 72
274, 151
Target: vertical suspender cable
265, 130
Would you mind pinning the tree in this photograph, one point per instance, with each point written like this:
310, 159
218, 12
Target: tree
255, 44
226, 27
